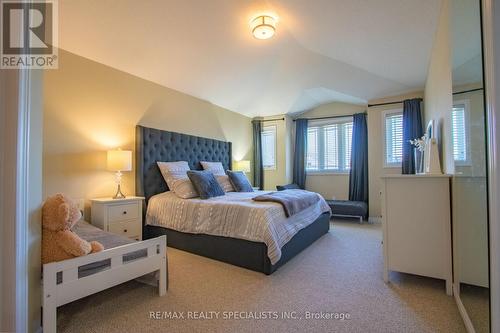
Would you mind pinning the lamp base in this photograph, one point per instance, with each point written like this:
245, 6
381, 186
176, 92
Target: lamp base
119, 194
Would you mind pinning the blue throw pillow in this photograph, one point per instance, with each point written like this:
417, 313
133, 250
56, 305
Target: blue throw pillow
205, 184
240, 181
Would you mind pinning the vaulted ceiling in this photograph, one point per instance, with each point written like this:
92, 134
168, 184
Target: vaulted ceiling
323, 50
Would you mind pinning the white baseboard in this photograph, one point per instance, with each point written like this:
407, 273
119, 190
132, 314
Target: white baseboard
375, 219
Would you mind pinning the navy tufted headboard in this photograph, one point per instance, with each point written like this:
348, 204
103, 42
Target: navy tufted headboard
153, 145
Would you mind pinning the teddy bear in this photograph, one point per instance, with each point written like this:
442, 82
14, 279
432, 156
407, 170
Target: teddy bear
59, 215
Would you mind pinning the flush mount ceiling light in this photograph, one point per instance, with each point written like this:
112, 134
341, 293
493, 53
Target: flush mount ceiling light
263, 26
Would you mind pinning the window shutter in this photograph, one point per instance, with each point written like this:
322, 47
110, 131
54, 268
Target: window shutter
268, 138
347, 145
459, 134
312, 149
394, 138
331, 145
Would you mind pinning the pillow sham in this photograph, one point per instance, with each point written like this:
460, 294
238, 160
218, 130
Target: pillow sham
216, 167
225, 183
239, 181
175, 175
205, 184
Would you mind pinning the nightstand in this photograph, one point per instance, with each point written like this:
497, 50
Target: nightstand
118, 216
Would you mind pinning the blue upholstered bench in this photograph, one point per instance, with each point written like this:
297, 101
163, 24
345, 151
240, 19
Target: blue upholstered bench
346, 208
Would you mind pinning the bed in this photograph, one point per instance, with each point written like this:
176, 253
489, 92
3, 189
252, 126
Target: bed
122, 260
154, 145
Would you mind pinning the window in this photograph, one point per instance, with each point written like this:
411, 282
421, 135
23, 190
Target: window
460, 133
329, 146
393, 144
268, 137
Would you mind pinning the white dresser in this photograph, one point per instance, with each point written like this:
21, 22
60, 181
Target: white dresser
416, 226
119, 216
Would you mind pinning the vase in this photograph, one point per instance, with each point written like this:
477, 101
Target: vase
419, 161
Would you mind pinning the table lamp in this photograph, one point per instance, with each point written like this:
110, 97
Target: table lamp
243, 165
119, 160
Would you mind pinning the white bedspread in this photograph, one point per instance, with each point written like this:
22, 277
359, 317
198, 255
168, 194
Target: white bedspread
233, 215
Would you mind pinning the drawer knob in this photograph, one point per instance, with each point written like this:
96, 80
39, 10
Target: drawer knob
124, 212
125, 230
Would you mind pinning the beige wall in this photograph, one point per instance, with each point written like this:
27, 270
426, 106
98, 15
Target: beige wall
90, 108
376, 168
438, 88
331, 185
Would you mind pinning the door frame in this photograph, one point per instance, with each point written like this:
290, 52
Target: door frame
491, 25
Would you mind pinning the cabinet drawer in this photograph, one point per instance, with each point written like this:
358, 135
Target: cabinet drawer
123, 212
130, 228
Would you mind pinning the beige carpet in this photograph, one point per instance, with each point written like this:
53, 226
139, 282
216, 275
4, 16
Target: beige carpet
339, 273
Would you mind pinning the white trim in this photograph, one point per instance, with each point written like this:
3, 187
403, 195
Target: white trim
492, 95
330, 121
22, 198
385, 113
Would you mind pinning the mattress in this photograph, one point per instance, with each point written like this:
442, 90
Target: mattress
233, 215
90, 233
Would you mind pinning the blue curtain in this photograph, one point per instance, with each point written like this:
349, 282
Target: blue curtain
299, 158
412, 129
358, 175
258, 167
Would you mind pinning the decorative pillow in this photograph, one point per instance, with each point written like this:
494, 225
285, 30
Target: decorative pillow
175, 174
240, 181
225, 183
205, 184
216, 167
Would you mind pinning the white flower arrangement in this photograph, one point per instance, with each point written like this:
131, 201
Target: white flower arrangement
419, 143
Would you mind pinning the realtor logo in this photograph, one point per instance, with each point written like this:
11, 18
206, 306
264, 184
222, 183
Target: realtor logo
29, 33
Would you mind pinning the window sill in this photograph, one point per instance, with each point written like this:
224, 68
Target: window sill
326, 173
399, 166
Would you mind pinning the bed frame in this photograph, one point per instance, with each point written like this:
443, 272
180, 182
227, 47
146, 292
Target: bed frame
73, 287
154, 145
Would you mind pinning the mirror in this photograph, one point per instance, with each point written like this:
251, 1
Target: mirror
469, 183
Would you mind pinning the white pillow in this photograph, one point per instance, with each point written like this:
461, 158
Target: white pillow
215, 167
225, 183
175, 174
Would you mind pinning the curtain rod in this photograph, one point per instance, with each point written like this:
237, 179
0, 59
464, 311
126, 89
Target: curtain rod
467, 91
331, 117
388, 103
264, 120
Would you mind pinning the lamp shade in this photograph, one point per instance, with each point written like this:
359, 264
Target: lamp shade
243, 165
119, 160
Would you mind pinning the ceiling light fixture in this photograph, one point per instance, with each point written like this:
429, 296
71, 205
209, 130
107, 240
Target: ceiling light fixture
263, 26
